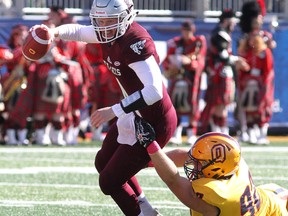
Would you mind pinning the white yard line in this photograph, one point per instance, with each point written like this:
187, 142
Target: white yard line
94, 150
49, 159
15, 184
92, 170
59, 169
31, 203
46, 158
49, 150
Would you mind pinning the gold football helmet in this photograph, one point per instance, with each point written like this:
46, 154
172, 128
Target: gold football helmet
214, 155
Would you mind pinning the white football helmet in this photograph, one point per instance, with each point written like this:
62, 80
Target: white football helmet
121, 10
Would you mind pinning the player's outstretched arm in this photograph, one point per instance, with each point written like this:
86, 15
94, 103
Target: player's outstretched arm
75, 32
168, 171
179, 185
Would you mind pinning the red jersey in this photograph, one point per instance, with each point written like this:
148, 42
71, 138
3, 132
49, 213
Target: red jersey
262, 72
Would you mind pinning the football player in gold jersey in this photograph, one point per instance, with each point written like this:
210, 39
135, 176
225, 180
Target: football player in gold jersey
218, 175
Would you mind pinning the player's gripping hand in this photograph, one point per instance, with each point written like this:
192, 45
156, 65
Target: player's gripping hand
145, 133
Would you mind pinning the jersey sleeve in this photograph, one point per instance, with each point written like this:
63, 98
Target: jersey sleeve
139, 50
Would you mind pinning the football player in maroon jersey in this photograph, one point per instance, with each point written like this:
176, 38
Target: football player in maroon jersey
129, 53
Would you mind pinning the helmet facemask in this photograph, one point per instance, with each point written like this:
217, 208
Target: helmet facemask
123, 18
194, 167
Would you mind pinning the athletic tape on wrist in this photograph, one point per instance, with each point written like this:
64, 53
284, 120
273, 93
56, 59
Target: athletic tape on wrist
153, 147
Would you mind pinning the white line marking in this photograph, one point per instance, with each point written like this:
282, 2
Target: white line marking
92, 150
31, 203
22, 203
49, 150
48, 159
92, 170
84, 170
71, 186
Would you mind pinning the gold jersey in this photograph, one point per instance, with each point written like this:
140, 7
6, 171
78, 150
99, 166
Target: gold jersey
238, 196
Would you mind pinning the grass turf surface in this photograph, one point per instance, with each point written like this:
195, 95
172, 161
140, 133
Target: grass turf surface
62, 181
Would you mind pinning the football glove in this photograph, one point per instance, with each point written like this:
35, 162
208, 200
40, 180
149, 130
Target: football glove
145, 133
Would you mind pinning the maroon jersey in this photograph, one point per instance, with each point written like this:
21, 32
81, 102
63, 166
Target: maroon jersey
103, 89
121, 160
136, 45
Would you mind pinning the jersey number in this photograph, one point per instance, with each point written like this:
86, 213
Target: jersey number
250, 202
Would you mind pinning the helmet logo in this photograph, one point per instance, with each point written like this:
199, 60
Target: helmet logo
100, 12
218, 153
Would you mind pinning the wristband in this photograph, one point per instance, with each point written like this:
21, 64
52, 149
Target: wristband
153, 147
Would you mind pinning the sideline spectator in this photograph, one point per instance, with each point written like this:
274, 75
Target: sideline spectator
14, 82
183, 66
58, 16
221, 84
251, 22
256, 88
103, 89
74, 52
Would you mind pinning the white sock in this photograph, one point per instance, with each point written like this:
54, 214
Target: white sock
141, 214
144, 204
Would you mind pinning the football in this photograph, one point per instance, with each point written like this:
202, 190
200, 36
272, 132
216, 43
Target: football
37, 43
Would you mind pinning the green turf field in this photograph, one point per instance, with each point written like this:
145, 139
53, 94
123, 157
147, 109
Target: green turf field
56, 181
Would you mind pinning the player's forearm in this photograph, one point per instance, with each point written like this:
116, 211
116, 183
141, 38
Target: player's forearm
180, 186
149, 73
75, 32
178, 156
165, 167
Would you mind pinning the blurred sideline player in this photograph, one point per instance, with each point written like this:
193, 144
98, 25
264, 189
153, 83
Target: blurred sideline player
221, 84
14, 82
103, 88
256, 88
183, 66
130, 54
74, 51
251, 22
6, 55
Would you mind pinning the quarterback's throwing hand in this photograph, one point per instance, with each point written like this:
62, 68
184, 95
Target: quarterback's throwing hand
145, 133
